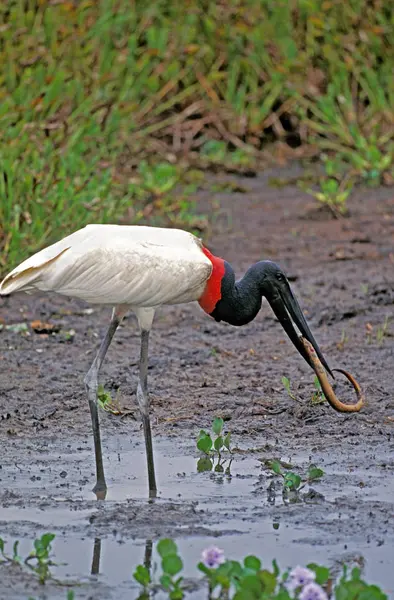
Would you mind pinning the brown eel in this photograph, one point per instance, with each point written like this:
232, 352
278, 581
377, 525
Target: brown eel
326, 386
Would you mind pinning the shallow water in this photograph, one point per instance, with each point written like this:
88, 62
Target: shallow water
197, 509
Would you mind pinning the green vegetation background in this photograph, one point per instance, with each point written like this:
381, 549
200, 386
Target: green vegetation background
93, 91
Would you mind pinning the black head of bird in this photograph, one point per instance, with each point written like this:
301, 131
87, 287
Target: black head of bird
241, 301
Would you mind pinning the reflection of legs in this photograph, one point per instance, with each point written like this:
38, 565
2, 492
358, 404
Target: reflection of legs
148, 555
143, 403
95, 569
91, 384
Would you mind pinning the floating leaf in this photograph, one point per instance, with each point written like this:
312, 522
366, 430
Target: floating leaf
142, 575
252, 562
166, 547
322, 573
172, 564
166, 581
204, 464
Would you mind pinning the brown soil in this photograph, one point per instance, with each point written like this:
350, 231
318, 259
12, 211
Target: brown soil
341, 271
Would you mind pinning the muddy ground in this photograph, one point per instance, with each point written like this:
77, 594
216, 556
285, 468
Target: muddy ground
342, 272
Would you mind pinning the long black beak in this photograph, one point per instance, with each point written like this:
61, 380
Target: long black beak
285, 305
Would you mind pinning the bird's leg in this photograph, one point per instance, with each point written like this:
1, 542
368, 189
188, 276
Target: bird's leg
143, 403
91, 384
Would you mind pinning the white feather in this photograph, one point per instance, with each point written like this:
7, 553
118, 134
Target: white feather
113, 264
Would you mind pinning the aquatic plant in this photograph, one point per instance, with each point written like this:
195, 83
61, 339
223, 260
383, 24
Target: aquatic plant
221, 443
222, 576
213, 446
249, 580
171, 565
38, 560
293, 482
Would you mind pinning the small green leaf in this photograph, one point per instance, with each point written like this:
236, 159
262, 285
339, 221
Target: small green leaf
204, 464
274, 465
292, 480
252, 583
274, 563
227, 441
166, 581
166, 547
217, 425
176, 594
172, 564
317, 384
46, 539
204, 442
314, 473
1, 545
142, 575
322, 573
252, 562
204, 569
356, 574
286, 383
15, 550
269, 581
218, 443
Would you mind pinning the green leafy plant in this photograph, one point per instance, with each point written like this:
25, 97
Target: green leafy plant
291, 480
171, 566
317, 396
217, 151
287, 385
334, 187
104, 398
213, 446
39, 560
249, 579
157, 179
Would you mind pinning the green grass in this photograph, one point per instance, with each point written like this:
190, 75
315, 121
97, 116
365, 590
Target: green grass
89, 89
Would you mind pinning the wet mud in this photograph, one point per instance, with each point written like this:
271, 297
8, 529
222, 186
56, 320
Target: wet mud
342, 271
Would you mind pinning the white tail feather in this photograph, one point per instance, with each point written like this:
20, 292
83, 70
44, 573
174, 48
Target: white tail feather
22, 279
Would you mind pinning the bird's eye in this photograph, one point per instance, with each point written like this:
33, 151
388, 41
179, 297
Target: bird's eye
279, 276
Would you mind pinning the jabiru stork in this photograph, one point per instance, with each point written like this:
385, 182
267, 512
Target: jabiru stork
140, 268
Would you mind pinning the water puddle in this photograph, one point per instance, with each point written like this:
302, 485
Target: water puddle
107, 539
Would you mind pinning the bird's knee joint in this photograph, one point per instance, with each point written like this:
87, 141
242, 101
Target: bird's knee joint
91, 383
143, 400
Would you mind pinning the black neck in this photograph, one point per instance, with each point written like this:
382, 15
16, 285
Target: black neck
241, 300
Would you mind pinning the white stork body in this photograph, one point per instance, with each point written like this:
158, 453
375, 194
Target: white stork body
117, 265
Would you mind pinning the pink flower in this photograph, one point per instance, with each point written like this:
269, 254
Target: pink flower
313, 591
299, 577
212, 557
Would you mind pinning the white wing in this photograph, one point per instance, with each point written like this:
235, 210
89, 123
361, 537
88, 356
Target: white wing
115, 264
